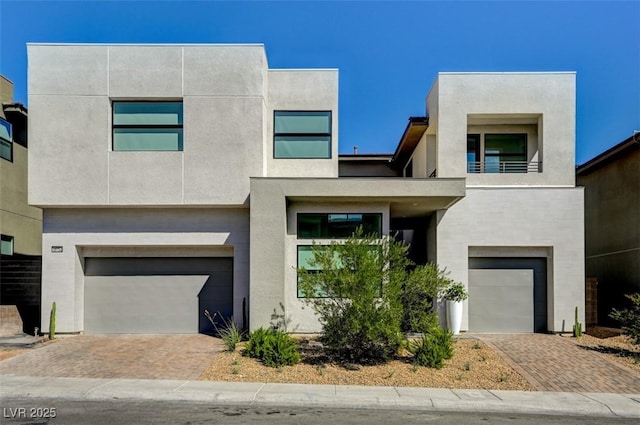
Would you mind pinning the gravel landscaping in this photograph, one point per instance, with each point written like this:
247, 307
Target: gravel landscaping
474, 365
613, 345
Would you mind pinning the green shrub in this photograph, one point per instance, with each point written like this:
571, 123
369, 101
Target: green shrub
455, 292
629, 318
433, 348
359, 290
274, 348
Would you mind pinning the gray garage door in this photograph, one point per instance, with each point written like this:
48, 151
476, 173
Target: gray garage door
507, 294
155, 295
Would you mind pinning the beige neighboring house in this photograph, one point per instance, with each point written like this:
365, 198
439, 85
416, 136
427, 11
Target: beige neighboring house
178, 178
20, 223
611, 183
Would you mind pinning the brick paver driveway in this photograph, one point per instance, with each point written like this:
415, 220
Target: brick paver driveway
118, 356
554, 363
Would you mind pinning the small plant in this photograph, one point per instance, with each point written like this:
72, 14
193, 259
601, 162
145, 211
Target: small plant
414, 367
432, 348
455, 292
391, 373
235, 362
235, 370
629, 318
273, 348
577, 326
466, 367
52, 322
459, 377
320, 369
476, 345
229, 332
502, 377
483, 358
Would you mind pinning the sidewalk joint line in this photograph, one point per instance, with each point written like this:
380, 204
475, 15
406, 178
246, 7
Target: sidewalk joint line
600, 402
181, 385
397, 392
256, 393
99, 386
495, 395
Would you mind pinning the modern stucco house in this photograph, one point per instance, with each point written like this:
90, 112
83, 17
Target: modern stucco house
611, 182
175, 178
20, 223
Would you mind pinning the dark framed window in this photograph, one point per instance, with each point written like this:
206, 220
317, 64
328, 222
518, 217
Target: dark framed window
305, 255
147, 126
6, 245
337, 225
6, 140
497, 153
302, 134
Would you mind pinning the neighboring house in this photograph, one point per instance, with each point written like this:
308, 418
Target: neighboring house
176, 178
612, 223
20, 223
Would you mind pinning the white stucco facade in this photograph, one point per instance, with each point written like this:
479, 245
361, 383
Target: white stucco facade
224, 194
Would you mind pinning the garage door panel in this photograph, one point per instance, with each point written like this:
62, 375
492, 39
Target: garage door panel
501, 301
140, 295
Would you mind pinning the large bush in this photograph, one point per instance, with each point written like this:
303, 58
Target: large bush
358, 295
629, 318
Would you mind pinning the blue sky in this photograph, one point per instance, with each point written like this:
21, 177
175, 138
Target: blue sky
388, 53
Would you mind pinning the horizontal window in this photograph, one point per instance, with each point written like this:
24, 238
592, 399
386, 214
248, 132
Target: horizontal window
6, 140
337, 225
147, 126
302, 134
6, 245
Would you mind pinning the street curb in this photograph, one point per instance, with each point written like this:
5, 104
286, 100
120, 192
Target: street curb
335, 396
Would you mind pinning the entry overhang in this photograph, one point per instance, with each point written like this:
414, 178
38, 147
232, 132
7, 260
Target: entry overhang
268, 220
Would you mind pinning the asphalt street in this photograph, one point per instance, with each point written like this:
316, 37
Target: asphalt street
27, 410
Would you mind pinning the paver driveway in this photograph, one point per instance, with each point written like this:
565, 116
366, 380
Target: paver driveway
554, 363
118, 356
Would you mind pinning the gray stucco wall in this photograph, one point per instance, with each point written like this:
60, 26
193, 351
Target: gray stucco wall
523, 220
456, 99
612, 225
131, 232
70, 92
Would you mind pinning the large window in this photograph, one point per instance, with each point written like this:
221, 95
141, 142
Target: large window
6, 140
147, 126
328, 226
302, 134
497, 153
6, 245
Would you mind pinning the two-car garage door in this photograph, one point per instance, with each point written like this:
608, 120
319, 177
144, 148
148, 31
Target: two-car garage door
155, 294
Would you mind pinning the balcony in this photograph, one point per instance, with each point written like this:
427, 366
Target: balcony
506, 167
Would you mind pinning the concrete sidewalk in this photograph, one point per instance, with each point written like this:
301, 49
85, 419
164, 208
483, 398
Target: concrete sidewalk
254, 394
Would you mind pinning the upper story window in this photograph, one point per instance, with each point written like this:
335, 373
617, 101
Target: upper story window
302, 134
147, 126
6, 245
498, 153
328, 226
6, 140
